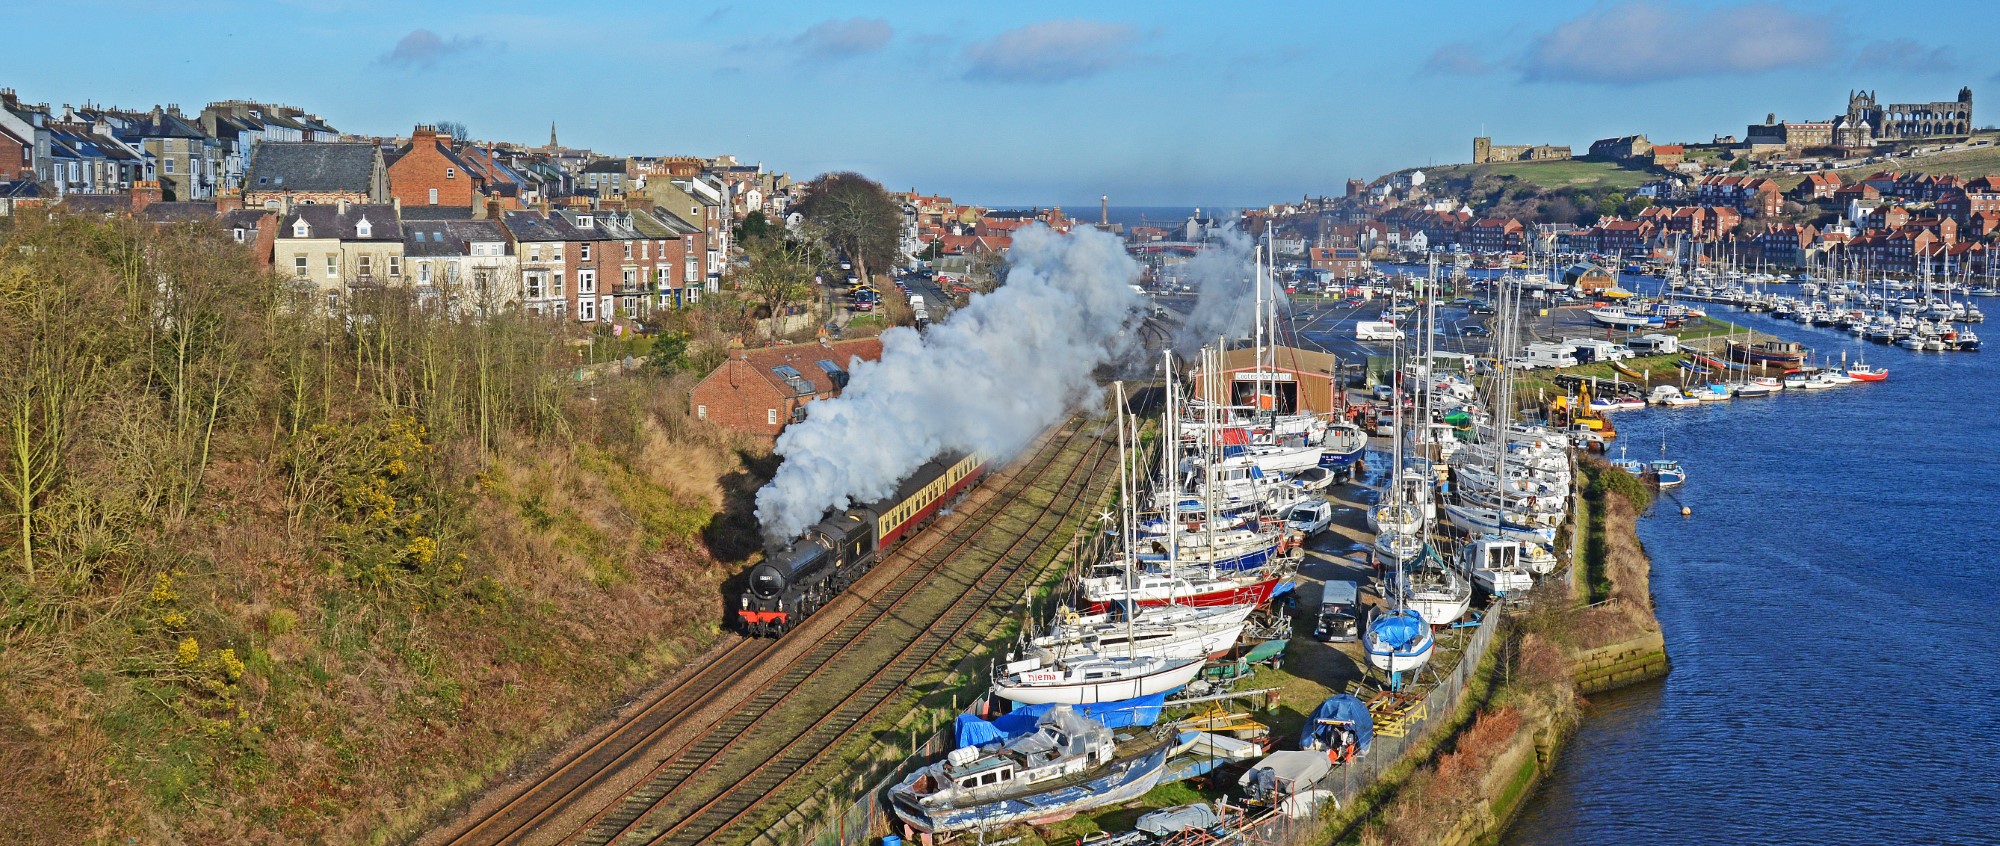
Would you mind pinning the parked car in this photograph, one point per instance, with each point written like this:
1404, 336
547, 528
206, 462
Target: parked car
1310, 518
1339, 612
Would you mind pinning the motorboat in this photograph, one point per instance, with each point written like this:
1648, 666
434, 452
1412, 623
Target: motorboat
1497, 565
1068, 763
1672, 397
1865, 373
1665, 472
1041, 679
1762, 386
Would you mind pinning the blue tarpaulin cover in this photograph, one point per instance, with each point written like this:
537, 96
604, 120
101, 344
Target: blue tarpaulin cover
1341, 708
1143, 711
973, 731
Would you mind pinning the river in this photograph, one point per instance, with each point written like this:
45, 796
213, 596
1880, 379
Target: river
1828, 611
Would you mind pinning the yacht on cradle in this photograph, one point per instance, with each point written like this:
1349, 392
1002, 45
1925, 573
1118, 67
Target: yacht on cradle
1069, 763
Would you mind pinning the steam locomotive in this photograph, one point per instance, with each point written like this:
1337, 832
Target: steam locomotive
798, 578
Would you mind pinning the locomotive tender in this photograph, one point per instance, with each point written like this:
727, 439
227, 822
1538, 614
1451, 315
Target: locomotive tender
798, 578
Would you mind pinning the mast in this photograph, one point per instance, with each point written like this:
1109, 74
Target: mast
1125, 512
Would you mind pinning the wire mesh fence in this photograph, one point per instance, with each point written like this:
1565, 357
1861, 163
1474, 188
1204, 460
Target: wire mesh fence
853, 815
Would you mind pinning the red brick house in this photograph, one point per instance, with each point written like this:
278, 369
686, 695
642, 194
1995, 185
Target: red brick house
1816, 187
17, 157
1341, 262
762, 391
429, 173
1494, 235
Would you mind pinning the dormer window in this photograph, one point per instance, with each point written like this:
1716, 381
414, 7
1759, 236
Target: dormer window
362, 229
584, 221
300, 230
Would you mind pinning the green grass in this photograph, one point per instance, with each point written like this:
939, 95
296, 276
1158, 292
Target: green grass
1569, 173
1970, 164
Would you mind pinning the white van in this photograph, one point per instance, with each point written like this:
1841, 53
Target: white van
1375, 330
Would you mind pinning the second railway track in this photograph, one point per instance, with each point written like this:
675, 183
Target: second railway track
748, 723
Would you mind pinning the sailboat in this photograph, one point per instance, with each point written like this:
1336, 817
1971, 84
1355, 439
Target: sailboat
1431, 585
1398, 641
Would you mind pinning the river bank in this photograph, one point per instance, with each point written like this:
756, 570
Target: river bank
1830, 552
1594, 634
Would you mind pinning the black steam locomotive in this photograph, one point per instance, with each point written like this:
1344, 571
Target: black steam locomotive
799, 578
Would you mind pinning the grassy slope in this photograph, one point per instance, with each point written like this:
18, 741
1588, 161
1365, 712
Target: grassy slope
358, 717
1571, 173
328, 645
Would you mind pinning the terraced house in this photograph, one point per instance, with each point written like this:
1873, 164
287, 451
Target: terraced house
341, 249
466, 264
429, 172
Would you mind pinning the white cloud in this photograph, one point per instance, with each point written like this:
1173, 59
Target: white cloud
834, 38
1641, 41
1051, 51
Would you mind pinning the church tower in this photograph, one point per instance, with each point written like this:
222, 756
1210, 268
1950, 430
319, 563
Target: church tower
552, 135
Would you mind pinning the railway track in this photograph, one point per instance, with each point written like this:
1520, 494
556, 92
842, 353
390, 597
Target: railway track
685, 733
996, 582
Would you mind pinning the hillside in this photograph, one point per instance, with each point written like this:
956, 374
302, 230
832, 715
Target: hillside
1589, 176
1973, 163
275, 576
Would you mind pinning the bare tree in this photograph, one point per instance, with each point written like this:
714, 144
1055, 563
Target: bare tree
858, 218
780, 274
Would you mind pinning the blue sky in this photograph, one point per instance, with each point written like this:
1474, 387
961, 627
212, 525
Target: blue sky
1024, 102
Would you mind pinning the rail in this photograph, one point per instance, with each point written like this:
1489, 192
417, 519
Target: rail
665, 718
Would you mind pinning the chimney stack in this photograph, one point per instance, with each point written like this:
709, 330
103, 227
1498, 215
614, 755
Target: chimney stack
145, 192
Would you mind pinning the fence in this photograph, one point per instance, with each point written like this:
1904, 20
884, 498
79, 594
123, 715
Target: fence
825, 821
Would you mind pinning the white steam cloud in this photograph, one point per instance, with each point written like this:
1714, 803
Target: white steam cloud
991, 377
1225, 303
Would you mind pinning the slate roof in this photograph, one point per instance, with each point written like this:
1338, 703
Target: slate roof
593, 232
162, 125
411, 213
432, 239
312, 166
328, 221
532, 226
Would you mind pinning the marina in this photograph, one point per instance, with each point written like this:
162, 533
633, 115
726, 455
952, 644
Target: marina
1739, 730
